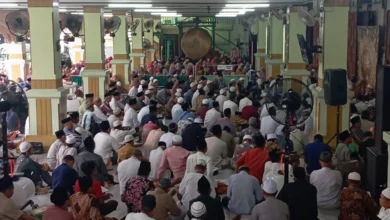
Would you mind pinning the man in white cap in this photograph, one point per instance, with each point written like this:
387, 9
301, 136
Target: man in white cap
31, 169
355, 201
118, 133
384, 213
202, 110
241, 149
198, 211
177, 109
243, 192
128, 169
67, 149
134, 89
187, 84
201, 147
195, 96
97, 111
231, 104
144, 83
114, 117
175, 159
148, 96
241, 85
222, 98
245, 101
190, 93
212, 116
208, 86
127, 148
271, 208
51, 158
188, 188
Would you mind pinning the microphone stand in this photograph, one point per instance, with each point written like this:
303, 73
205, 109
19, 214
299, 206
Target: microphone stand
5, 144
287, 148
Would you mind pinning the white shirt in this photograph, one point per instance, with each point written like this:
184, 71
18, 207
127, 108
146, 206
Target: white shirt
127, 169
111, 119
216, 149
127, 107
299, 140
63, 151
138, 216
155, 158
221, 99
105, 144
211, 118
51, 158
384, 214
189, 188
115, 104
98, 113
167, 138
328, 183
309, 124
206, 89
244, 102
133, 92
193, 158
144, 111
264, 110
230, 104
119, 135
175, 108
147, 100
193, 100
130, 119
268, 125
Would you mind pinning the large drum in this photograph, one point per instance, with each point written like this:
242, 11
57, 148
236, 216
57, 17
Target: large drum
196, 43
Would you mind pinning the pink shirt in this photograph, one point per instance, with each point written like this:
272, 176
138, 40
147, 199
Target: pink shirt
54, 212
147, 128
175, 159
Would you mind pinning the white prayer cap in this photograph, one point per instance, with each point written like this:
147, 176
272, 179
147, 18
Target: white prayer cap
354, 176
178, 94
191, 76
24, 147
118, 83
201, 162
222, 91
272, 83
199, 86
209, 81
70, 139
190, 119
81, 130
198, 209
128, 138
155, 80
193, 84
175, 75
269, 186
116, 123
369, 86
180, 100
179, 90
232, 80
232, 89
354, 116
147, 92
205, 101
116, 111
271, 136
177, 139
151, 87
198, 120
386, 193
151, 78
241, 79
143, 81
247, 136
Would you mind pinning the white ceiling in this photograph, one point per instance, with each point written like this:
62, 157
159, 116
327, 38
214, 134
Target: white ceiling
184, 7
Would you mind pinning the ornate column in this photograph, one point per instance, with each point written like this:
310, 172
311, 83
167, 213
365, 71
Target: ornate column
261, 42
16, 63
94, 73
120, 63
275, 60
334, 42
137, 55
47, 98
296, 68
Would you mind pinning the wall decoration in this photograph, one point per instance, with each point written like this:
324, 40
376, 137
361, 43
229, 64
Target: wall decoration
352, 45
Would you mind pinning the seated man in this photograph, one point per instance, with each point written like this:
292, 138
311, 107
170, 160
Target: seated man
216, 148
31, 169
8, 210
174, 158
118, 133
64, 175
126, 150
243, 193
128, 169
105, 144
148, 205
61, 200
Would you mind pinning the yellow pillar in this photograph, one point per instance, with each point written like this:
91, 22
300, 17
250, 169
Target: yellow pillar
137, 54
47, 99
296, 68
16, 63
334, 40
274, 61
261, 42
120, 63
94, 73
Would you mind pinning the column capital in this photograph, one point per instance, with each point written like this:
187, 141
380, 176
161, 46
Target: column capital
119, 12
337, 3
42, 3
93, 9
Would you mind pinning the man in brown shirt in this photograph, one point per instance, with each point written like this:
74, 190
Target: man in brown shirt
164, 201
126, 150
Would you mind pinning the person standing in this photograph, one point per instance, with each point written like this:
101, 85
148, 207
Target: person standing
300, 196
343, 153
271, 208
356, 203
313, 151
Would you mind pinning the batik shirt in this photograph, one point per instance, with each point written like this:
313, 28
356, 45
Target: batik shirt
135, 189
356, 204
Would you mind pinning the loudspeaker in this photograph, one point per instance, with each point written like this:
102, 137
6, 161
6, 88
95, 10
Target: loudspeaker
382, 106
376, 171
335, 86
